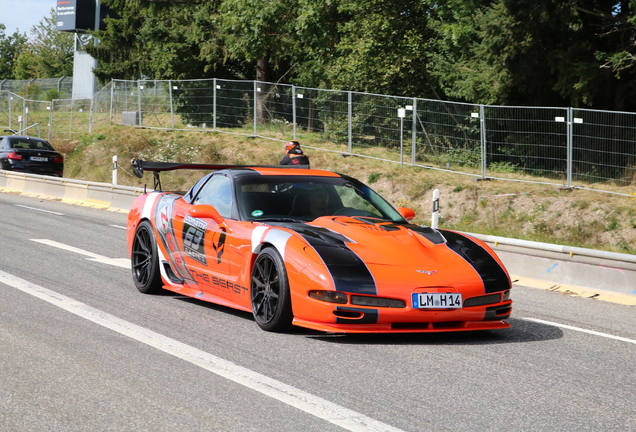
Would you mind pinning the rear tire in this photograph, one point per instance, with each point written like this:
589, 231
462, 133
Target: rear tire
269, 291
145, 261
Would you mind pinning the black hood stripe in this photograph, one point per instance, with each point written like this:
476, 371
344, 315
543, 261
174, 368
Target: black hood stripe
491, 273
350, 274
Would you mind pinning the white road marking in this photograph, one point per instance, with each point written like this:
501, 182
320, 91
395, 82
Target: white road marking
40, 210
582, 330
117, 262
314, 405
117, 226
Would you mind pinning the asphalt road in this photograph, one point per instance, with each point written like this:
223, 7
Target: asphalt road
82, 350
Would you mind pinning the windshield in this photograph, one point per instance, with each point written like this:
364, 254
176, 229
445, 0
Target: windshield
306, 198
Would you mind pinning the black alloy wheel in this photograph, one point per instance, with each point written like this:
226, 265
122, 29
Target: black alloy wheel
145, 263
271, 303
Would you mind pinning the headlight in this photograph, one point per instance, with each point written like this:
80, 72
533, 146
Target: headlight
329, 296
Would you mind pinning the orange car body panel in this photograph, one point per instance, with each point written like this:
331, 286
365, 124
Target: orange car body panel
212, 261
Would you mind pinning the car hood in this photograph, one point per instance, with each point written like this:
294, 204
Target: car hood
403, 254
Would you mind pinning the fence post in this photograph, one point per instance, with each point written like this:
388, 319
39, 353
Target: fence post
139, 88
414, 134
482, 136
350, 117
112, 101
9, 95
70, 131
50, 134
214, 87
294, 109
255, 108
401, 115
435, 216
170, 101
90, 116
569, 147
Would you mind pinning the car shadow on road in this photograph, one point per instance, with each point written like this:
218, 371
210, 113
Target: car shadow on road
521, 331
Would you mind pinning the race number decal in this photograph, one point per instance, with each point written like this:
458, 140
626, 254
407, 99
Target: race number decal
193, 238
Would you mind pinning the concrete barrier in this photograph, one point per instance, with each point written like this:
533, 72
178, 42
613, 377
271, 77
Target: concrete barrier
92, 194
590, 268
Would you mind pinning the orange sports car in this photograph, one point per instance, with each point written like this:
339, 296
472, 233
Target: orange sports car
311, 248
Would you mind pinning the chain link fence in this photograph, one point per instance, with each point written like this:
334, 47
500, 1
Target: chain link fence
39, 89
557, 146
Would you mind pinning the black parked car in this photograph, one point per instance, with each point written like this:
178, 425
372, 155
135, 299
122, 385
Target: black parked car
30, 155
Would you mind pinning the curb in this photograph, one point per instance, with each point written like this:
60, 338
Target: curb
575, 291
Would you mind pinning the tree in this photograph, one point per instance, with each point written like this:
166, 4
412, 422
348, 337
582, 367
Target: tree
10, 48
162, 40
546, 52
48, 52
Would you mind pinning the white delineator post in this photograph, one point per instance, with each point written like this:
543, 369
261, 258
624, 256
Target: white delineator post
435, 217
115, 169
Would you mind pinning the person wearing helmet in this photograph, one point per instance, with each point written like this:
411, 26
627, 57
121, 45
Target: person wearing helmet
294, 155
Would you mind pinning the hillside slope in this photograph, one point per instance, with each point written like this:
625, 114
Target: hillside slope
509, 209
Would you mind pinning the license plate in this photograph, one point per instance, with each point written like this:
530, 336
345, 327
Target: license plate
39, 159
437, 301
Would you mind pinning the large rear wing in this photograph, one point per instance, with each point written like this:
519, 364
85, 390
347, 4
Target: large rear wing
139, 166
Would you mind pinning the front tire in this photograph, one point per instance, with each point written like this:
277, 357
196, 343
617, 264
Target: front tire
145, 261
269, 291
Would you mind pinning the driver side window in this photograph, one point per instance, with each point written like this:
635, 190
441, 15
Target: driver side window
217, 192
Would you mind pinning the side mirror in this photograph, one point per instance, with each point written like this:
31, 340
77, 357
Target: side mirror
206, 211
406, 213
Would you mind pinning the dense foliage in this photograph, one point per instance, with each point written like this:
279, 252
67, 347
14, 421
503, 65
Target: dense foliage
518, 52
9, 51
45, 53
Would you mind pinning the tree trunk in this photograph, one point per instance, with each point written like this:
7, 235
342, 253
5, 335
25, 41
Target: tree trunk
263, 74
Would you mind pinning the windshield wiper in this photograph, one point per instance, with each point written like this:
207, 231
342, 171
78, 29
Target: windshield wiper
277, 219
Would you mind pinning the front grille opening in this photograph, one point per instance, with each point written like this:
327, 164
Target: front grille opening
428, 326
359, 300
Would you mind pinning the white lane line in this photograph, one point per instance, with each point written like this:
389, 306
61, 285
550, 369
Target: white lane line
118, 226
314, 405
40, 210
582, 330
117, 262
